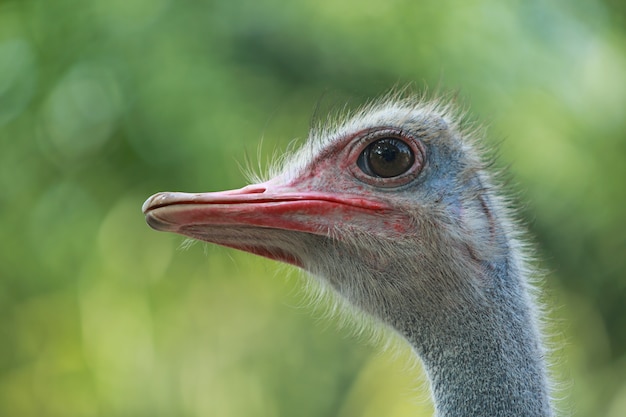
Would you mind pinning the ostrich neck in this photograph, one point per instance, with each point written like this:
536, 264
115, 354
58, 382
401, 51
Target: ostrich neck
487, 359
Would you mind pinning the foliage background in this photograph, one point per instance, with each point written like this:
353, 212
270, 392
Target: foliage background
104, 102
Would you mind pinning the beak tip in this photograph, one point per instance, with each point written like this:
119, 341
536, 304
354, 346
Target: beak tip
150, 207
159, 224
153, 202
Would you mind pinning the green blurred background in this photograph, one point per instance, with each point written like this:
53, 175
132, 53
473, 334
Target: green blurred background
104, 102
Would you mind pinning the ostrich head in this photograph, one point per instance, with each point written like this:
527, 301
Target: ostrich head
391, 208
394, 209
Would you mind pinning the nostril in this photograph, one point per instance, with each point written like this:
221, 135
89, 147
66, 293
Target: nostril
254, 189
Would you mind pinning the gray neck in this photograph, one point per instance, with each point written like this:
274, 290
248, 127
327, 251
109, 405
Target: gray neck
491, 360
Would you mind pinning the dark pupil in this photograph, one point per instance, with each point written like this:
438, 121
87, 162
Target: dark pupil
388, 157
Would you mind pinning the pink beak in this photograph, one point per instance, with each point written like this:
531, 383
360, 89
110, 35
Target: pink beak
264, 206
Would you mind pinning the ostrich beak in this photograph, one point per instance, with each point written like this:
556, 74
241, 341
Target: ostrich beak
261, 206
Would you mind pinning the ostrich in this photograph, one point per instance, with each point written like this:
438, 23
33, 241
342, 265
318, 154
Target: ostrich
395, 210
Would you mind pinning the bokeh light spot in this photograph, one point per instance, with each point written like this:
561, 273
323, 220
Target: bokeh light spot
81, 113
128, 15
125, 237
62, 226
17, 77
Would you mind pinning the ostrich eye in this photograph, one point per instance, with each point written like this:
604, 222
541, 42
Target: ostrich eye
386, 158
